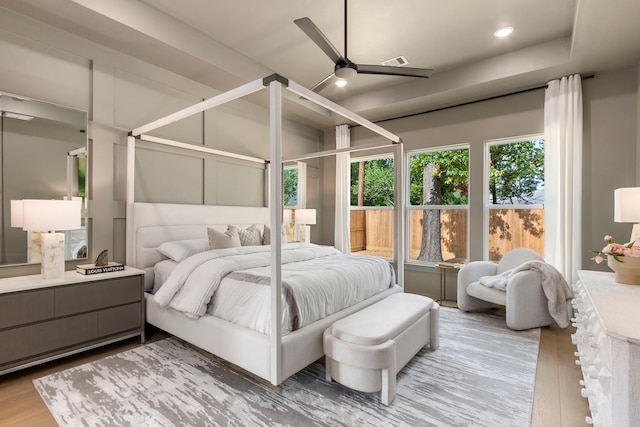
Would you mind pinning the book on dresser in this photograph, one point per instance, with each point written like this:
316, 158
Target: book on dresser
97, 269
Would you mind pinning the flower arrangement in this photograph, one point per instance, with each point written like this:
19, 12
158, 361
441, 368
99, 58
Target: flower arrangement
617, 250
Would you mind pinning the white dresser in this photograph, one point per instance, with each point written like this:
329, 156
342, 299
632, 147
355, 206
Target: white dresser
607, 318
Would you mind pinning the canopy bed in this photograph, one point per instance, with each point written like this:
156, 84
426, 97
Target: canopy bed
275, 351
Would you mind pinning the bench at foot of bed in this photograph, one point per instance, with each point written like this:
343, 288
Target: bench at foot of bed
365, 351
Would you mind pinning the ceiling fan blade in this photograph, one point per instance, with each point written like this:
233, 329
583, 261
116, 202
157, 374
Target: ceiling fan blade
324, 83
318, 38
394, 71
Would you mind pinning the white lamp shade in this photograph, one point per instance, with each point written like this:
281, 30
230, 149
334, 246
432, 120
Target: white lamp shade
627, 204
50, 215
305, 216
16, 213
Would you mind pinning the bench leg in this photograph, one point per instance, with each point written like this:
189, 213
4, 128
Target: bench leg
434, 326
327, 368
388, 392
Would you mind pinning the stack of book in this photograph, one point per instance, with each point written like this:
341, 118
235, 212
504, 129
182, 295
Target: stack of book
97, 269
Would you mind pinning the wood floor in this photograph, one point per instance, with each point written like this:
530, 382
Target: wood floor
557, 400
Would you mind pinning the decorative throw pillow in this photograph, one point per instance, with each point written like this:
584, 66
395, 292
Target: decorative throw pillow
250, 236
219, 240
266, 236
179, 250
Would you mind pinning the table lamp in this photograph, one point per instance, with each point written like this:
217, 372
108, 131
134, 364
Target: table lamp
52, 216
627, 208
303, 218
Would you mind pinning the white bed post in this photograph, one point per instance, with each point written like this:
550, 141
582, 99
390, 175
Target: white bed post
275, 210
399, 246
131, 174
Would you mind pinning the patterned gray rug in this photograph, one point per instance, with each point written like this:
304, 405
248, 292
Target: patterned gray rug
482, 375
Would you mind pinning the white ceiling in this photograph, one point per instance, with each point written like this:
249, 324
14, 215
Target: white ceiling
223, 43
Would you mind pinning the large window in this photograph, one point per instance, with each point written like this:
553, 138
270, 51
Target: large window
372, 193
438, 205
514, 196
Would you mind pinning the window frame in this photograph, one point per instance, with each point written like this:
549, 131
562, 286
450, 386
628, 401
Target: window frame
409, 207
486, 206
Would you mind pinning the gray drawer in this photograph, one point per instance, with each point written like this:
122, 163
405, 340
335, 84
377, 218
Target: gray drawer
32, 340
97, 295
120, 319
25, 307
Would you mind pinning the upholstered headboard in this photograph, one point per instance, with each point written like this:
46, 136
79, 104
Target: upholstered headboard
156, 223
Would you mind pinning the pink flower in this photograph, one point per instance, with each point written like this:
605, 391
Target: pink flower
608, 238
598, 259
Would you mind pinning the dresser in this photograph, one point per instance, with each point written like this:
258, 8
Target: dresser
41, 320
607, 321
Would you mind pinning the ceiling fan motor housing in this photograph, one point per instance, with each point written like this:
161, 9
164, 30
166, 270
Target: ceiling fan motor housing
345, 69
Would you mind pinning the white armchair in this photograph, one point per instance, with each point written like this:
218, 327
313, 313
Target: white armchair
524, 299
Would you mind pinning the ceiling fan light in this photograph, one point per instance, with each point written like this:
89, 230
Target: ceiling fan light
341, 82
503, 32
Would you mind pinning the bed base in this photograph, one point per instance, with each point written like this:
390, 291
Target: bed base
246, 348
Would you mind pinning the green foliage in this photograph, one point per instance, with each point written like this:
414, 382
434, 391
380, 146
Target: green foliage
378, 182
517, 170
451, 168
290, 187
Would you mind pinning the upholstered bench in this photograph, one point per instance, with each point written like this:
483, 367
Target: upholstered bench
365, 351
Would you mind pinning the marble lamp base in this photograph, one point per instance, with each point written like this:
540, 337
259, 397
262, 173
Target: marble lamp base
305, 233
52, 266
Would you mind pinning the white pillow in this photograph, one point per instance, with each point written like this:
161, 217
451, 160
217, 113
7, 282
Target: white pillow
219, 240
179, 250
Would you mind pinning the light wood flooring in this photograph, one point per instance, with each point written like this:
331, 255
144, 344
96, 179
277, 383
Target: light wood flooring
557, 400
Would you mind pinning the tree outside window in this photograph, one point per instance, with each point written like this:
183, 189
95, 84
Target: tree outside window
438, 205
515, 196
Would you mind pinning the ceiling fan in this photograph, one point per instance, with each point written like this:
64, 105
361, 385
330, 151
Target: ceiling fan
345, 68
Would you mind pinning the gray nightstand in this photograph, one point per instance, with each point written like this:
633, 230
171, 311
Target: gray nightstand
41, 320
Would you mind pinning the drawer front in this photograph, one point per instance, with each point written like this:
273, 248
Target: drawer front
25, 307
32, 340
97, 295
120, 319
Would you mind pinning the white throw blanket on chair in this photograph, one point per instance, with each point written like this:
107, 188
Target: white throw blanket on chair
554, 285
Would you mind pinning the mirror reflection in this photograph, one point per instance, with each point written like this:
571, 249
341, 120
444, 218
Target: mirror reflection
43, 156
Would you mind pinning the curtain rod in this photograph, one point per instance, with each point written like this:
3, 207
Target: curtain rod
586, 77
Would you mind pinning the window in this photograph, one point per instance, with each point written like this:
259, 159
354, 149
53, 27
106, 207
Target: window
514, 196
372, 193
438, 205
290, 184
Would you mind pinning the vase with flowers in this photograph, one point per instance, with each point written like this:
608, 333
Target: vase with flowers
623, 259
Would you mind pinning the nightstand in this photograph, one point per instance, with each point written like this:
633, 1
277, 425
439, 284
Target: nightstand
42, 320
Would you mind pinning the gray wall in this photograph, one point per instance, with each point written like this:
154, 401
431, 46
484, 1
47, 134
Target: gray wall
121, 93
610, 139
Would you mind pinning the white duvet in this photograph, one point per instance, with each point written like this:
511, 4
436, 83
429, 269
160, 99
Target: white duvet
234, 284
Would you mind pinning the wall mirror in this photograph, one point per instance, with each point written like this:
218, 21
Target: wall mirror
43, 156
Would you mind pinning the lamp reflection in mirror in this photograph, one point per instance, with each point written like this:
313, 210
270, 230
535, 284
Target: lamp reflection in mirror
303, 218
627, 208
48, 215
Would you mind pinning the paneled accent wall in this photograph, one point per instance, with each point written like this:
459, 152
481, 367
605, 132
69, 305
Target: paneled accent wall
121, 93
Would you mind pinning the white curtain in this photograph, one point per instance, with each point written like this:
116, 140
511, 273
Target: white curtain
563, 175
341, 238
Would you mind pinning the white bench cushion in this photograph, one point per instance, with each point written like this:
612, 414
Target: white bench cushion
383, 320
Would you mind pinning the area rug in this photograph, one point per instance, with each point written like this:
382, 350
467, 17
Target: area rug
483, 374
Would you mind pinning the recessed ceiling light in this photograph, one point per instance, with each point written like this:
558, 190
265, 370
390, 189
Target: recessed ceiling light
503, 32
341, 82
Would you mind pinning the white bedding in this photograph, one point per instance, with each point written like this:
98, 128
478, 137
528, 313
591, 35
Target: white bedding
233, 284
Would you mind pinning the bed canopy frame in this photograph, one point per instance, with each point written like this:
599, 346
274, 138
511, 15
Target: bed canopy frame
275, 84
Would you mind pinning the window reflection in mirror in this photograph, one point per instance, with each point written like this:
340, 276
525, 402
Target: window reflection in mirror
43, 157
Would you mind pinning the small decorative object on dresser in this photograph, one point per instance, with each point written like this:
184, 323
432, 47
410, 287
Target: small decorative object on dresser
624, 260
101, 265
